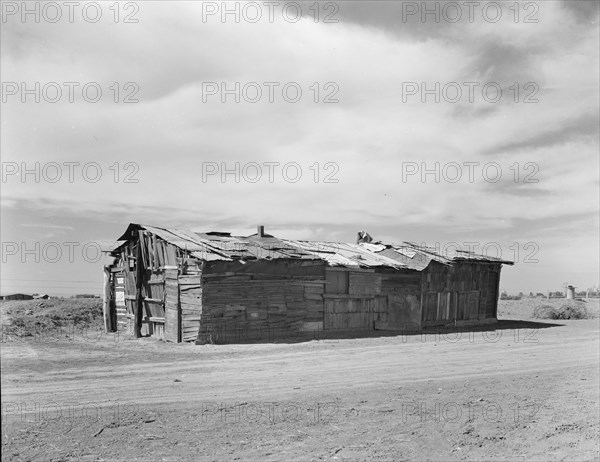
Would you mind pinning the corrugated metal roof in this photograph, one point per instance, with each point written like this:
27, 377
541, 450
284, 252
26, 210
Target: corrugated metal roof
350, 255
223, 246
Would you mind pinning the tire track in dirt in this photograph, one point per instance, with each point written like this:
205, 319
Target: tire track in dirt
317, 370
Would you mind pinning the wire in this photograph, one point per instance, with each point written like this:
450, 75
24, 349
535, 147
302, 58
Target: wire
47, 280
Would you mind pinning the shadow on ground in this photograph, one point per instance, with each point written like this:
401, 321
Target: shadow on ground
275, 334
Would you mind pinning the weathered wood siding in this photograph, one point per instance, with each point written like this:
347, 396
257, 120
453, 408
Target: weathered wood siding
156, 257
190, 298
466, 291
355, 313
172, 306
353, 300
261, 300
366, 282
403, 291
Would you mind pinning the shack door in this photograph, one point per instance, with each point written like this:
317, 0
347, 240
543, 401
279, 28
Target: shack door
153, 293
190, 301
119, 306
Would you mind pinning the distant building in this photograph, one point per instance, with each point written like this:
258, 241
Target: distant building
17, 297
41, 296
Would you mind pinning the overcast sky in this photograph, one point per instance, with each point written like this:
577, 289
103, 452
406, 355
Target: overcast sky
345, 154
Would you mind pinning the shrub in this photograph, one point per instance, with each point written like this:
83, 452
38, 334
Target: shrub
510, 297
575, 310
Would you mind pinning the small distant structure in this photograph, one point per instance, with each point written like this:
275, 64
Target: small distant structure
41, 296
570, 292
17, 297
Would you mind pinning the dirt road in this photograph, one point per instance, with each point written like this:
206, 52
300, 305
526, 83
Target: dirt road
521, 392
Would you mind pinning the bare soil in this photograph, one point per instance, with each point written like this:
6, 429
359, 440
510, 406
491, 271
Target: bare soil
524, 389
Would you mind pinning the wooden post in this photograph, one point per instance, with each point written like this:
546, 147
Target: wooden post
179, 313
139, 302
497, 293
106, 302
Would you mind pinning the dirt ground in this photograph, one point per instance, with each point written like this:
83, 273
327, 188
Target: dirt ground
523, 390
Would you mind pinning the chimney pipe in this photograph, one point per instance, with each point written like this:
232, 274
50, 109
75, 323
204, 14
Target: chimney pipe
260, 232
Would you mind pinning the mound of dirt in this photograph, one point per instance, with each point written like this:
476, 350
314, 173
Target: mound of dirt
571, 310
26, 317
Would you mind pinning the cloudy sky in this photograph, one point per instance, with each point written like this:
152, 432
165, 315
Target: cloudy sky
417, 121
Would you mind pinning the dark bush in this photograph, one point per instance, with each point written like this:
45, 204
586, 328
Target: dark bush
575, 310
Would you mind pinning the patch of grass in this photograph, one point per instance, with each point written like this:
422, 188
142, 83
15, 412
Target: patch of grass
571, 310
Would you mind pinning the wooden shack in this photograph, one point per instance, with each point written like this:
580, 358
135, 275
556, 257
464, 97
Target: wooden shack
184, 286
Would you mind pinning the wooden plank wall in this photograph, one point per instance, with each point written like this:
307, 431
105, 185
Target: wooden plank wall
381, 298
490, 293
403, 290
190, 299
361, 307
354, 313
466, 291
172, 330
161, 261
336, 282
364, 283
124, 281
261, 300
157, 256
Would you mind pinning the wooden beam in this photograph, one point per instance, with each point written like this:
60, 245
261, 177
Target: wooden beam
497, 293
179, 315
106, 301
139, 305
